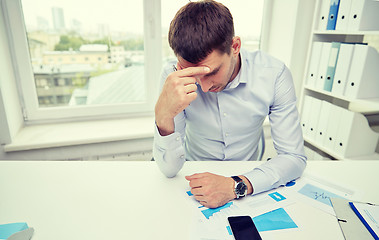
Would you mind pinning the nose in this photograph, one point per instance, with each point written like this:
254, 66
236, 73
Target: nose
205, 85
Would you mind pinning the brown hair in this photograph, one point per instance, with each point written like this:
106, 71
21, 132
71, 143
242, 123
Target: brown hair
198, 28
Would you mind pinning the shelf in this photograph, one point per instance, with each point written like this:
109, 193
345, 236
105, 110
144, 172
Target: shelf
364, 106
374, 156
334, 32
361, 135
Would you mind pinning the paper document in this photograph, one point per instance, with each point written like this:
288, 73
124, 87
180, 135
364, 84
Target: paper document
274, 220
317, 192
369, 215
266, 209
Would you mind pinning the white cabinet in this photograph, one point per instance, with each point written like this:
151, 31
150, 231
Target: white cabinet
341, 81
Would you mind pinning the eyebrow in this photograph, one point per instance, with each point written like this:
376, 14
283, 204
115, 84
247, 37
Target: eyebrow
214, 71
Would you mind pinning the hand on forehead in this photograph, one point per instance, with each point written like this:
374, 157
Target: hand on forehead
192, 70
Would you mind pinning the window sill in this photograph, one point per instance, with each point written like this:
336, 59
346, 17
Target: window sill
79, 133
86, 132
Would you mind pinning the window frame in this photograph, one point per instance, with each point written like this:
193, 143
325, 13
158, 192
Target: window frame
21, 62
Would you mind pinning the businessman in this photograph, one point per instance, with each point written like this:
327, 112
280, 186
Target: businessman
212, 105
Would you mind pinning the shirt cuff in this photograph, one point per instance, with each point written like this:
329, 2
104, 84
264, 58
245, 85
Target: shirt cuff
258, 180
171, 141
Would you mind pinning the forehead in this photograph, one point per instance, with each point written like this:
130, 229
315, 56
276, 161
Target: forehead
213, 60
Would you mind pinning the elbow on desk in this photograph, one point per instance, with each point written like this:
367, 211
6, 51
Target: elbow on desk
167, 164
168, 170
168, 173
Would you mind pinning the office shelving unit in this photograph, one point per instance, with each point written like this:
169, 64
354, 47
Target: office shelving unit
362, 106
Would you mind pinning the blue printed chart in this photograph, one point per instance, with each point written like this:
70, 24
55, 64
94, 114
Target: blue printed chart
277, 219
266, 209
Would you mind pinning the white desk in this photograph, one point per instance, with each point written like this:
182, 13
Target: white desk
133, 200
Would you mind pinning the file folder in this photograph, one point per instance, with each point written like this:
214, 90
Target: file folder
354, 136
323, 65
324, 13
364, 15
323, 122
342, 68
333, 12
306, 112
332, 128
369, 216
343, 15
333, 57
313, 118
363, 77
313, 64
352, 228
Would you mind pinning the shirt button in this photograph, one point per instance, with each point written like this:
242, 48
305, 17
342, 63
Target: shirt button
225, 114
177, 139
181, 156
226, 134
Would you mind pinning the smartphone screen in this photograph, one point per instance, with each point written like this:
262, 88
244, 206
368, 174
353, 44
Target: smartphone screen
243, 228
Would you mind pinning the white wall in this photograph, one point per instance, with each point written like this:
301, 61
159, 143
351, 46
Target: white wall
286, 32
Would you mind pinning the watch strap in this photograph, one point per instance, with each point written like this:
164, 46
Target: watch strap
237, 179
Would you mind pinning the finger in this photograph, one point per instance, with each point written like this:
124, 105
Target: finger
190, 88
176, 77
193, 176
188, 80
200, 175
191, 96
200, 198
195, 183
192, 71
197, 191
189, 178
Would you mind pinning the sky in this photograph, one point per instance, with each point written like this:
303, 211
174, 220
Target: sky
126, 15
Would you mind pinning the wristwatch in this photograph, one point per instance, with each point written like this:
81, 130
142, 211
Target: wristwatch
240, 187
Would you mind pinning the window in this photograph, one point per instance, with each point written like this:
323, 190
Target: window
58, 40
73, 62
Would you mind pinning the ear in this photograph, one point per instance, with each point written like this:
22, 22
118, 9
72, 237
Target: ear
236, 46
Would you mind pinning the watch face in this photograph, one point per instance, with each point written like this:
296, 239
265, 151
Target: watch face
241, 188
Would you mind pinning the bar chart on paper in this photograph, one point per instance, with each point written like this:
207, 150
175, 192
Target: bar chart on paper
209, 212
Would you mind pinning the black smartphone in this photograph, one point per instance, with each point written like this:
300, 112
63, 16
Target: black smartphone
243, 228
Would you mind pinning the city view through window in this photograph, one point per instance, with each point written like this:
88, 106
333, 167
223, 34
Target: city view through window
92, 52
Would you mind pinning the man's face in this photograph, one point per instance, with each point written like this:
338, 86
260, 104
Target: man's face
223, 69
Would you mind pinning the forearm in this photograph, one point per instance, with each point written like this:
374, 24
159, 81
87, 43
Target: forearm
168, 153
164, 122
276, 172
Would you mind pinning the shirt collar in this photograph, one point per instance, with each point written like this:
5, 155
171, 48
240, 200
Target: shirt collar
240, 76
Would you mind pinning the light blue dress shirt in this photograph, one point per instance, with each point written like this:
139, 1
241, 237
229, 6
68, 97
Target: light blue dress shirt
227, 125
